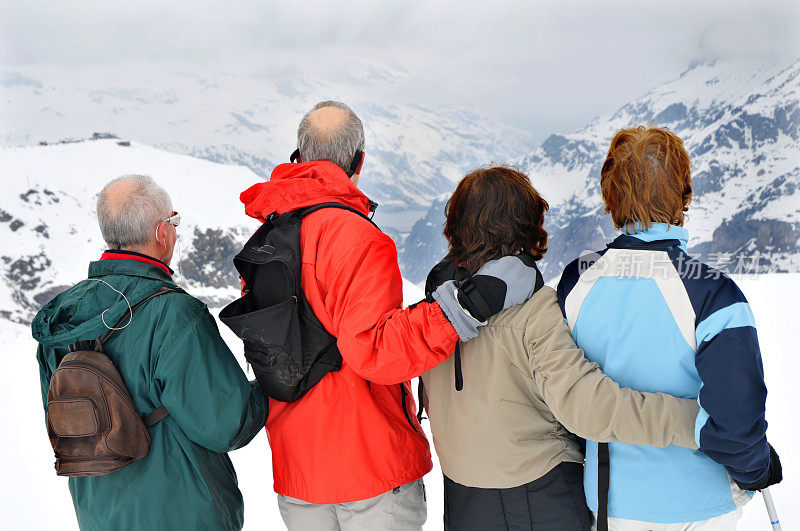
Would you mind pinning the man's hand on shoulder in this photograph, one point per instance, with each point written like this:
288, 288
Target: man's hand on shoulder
498, 285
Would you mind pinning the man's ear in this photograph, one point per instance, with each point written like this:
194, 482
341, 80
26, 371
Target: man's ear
159, 240
360, 164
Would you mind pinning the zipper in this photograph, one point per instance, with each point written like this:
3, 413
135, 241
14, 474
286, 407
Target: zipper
403, 394
295, 280
100, 372
63, 461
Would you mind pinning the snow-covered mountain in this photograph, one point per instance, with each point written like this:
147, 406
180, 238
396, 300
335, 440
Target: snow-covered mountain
49, 233
741, 125
413, 154
49, 230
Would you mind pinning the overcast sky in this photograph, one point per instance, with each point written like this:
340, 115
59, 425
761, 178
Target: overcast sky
544, 66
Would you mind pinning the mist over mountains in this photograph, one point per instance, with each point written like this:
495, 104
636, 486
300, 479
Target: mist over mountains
414, 154
211, 137
741, 125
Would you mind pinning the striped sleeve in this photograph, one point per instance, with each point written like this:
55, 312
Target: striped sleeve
731, 428
565, 284
572, 275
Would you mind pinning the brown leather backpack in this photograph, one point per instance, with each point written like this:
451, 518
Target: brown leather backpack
91, 420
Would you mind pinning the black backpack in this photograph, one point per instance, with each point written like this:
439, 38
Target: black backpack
284, 342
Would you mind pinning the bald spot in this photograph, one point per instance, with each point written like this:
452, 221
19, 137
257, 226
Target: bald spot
326, 121
116, 195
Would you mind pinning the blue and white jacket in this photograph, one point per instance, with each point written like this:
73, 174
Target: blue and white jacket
657, 320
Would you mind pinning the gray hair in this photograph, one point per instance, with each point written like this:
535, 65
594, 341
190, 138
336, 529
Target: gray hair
338, 145
128, 217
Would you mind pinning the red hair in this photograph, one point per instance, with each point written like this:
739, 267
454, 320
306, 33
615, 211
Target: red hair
646, 178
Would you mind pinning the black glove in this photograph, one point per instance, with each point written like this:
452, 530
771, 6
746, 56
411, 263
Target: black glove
774, 473
441, 273
482, 296
497, 285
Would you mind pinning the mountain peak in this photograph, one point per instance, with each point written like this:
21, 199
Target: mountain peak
740, 122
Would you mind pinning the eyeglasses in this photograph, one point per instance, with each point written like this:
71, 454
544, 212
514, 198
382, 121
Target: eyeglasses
174, 219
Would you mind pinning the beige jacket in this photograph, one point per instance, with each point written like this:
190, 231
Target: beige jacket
526, 387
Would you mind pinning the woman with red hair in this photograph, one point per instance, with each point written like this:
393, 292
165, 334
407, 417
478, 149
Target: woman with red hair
658, 320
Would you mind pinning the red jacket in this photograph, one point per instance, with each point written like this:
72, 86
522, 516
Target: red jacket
349, 438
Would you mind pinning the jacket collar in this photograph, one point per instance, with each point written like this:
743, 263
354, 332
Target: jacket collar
658, 234
297, 185
119, 254
129, 263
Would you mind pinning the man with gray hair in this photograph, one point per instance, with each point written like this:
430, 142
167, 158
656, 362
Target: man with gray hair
350, 454
170, 355
332, 131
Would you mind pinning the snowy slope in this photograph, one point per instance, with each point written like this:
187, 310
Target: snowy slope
28, 457
741, 125
49, 229
413, 153
49, 233
48, 225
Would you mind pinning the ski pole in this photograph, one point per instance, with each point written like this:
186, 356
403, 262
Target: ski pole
773, 514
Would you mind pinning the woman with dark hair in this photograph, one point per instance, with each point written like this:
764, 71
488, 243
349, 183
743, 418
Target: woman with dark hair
508, 408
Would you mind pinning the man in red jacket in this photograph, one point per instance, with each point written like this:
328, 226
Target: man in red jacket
351, 453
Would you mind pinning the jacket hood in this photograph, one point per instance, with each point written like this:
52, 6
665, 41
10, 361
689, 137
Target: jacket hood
297, 185
77, 313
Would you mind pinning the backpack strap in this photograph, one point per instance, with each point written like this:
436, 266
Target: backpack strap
129, 313
155, 417
303, 212
421, 410
603, 479
161, 413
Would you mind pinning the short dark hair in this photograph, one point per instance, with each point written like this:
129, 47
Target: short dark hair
494, 212
646, 178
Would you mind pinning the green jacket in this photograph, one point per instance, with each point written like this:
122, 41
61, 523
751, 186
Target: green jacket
171, 354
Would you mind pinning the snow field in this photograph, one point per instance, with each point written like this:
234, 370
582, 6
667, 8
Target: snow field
32, 497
